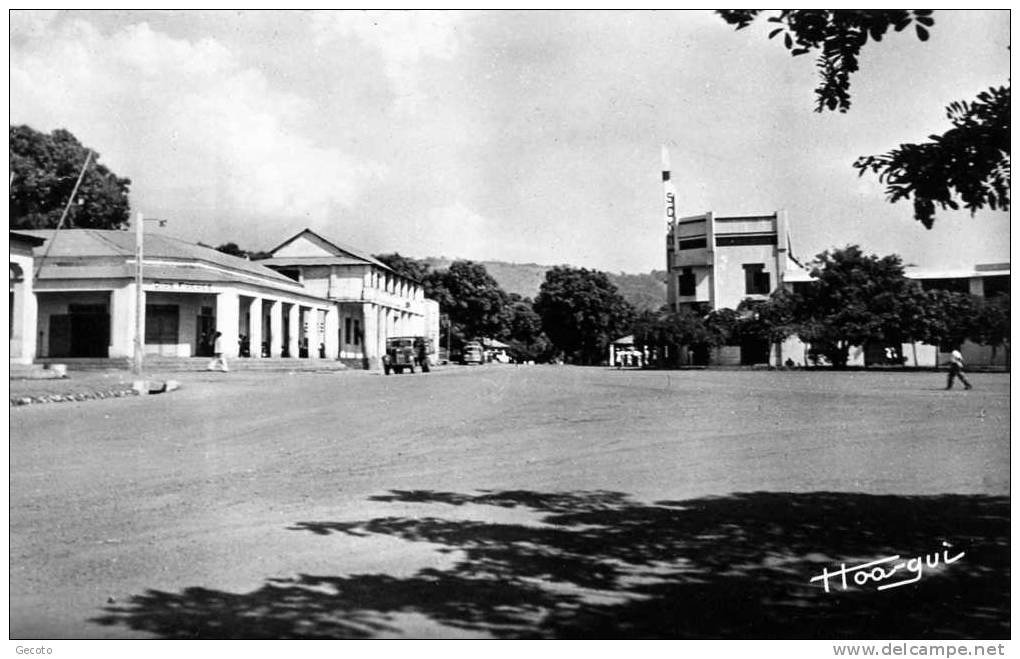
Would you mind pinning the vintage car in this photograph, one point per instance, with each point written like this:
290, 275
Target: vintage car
406, 352
473, 353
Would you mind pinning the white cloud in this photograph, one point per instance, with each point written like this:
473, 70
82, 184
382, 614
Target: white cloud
454, 230
30, 23
183, 118
403, 39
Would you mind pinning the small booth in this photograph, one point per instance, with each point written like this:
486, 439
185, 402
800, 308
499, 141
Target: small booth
624, 354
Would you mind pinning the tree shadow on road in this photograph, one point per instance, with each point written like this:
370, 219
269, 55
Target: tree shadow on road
599, 564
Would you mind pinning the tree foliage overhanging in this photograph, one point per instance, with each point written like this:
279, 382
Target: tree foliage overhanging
839, 35
970, 162
44, 169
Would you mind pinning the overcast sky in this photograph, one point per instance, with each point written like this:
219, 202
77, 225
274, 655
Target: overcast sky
519, 136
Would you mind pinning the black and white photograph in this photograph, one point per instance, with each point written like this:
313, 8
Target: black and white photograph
448, 324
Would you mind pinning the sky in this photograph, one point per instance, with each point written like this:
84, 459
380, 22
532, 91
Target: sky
499, 135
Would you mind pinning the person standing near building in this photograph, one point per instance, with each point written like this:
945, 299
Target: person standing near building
956, 369
218, 361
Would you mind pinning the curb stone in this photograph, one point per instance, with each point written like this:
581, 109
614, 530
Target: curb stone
17, 401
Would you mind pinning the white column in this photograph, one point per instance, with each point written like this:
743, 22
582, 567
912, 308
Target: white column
275, 327
228, 310
255, 328
122, 321
25, 313
293, 329
332, 338
370, 330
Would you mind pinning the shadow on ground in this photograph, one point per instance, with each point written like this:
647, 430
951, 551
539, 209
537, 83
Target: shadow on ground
598, 564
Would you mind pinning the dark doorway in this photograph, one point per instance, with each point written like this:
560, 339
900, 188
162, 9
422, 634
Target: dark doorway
83, 332
205, 328
288, 309
60, 336
754, 351
699, 354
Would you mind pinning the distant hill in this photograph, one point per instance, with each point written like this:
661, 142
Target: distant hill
644, 291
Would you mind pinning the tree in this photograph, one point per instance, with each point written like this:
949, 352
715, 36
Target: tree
232, 249
582, 312
524, 332
950, 318
44, 170
405, 266
773, 320
474, 302
970, 161
724, 326
856, 299
671, 331
991, 326
840, 34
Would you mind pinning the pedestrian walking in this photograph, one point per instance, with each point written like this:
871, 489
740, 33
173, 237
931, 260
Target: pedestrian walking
219, 362
956, 370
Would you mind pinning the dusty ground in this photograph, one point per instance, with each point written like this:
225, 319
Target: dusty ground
503, 501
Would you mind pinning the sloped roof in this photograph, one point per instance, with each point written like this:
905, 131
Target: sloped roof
956, 273
283, 262
25, 238
337, 248
110, 245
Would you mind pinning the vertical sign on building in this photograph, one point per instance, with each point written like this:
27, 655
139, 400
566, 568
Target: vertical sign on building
669, 201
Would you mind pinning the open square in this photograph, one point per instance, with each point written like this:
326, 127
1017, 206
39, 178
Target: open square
503, 501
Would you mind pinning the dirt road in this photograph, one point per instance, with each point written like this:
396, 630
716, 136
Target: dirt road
496, 501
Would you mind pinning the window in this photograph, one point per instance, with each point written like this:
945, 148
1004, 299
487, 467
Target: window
161, 324
357, 332
756, 280
686, 283
347, 331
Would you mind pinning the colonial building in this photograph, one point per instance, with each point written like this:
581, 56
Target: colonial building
372, 300
85, 294
22, 309
720, 261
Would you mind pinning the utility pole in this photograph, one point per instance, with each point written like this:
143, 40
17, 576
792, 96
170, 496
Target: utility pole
139, 309
139, 293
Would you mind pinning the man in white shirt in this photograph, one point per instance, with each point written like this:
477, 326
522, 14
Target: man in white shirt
956, 370
219, 361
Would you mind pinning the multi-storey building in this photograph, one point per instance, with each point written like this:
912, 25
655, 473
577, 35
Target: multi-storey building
373, 301
718, 262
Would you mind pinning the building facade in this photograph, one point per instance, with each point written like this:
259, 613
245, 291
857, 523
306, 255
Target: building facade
718, 262
373, 302
85, 296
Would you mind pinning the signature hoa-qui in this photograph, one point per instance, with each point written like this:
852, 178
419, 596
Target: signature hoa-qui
880, 570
